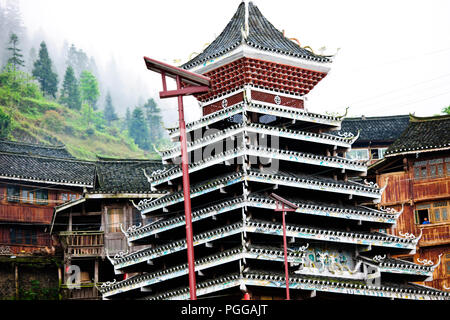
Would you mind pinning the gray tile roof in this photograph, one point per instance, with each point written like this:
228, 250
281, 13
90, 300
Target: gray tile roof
375, 129
47, 169
124, 175
423, 134
35, 149
262, 35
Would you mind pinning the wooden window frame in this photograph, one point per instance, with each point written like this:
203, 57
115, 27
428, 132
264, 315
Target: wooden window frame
435, 168
27, 195
114, 226
434, 207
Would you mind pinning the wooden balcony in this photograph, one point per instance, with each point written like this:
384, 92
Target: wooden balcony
85, 291
26, 213
434, 234
79, 244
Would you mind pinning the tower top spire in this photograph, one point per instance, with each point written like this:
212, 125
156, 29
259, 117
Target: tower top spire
248, 30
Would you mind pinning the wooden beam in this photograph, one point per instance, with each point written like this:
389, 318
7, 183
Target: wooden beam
183, 92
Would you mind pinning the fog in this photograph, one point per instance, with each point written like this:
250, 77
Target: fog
392, 56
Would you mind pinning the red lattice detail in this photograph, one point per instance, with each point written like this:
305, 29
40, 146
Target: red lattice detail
283, 101
265, 74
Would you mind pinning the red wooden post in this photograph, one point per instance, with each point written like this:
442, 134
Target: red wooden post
285, 206
187, 196
286, 271
198, 83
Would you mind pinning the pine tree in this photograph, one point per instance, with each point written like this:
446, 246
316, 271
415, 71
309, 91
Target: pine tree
89, 89
43, 72
16, 57
138, 129
70, 93
78, 60
109, 113
153, 117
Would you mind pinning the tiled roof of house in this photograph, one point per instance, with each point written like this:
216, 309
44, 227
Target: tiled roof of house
423, 134
35, 149
375, 129
261, 35
47, 169
124, 175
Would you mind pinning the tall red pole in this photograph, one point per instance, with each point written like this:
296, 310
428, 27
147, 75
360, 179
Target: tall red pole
187, 196
286, 271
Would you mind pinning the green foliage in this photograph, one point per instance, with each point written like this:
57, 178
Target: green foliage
5, 125
15, 84
52, 120
43, 72
37, 292
138, 129
153, 117
109, 113
446, 110
78, 60
16, 57
89, 89
70, 93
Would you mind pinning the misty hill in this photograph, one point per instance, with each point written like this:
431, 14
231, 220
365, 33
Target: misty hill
58, 97
27, 115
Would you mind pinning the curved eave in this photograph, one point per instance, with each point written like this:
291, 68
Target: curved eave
254, 51
211, 261
297, 282
351, 189
232, 132
262, 203
48, 181
290, 113
402, 267
265, 153
267, 228
404, 151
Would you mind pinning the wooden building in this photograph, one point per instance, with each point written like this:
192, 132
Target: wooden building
92, 228
255, 138
416, 170
33, 180
374, 135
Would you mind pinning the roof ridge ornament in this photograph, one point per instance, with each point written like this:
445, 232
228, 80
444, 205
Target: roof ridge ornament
427, 262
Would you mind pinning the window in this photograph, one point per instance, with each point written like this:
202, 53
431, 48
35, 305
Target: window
422, 213
22, 236
68, 196
115, 218
27, 195
435, 168
358, 154
13, 194
440, 211
420, 169
381, 152
137, 218
377, 153
434, 212
42, 196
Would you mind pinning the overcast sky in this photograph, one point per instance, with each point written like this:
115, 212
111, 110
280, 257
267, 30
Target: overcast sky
393, 57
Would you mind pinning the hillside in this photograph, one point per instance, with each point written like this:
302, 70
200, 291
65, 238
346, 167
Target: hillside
27, 115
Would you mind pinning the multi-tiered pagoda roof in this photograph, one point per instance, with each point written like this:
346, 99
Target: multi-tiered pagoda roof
255, 138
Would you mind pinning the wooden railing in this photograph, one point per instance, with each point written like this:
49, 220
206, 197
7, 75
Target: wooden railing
85, 291
26, 213
83, 243
435, 234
